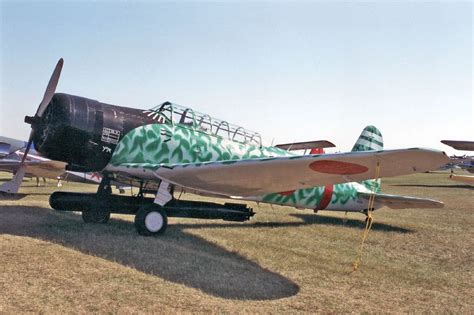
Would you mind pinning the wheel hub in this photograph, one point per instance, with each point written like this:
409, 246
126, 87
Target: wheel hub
154, 221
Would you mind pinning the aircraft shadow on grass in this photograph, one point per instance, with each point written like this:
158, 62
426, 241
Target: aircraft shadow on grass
376, 226
177, 256
307, 219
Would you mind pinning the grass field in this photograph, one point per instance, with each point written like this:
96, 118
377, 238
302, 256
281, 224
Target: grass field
283, 260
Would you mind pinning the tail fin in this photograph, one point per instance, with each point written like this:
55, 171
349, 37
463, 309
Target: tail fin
370, 140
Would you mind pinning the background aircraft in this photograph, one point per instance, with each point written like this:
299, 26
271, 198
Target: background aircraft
172, 148
466, 163
9, 146
11, 154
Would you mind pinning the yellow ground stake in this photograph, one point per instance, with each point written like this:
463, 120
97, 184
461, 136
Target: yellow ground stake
369, 221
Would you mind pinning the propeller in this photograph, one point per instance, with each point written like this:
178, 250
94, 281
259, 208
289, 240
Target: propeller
48, 96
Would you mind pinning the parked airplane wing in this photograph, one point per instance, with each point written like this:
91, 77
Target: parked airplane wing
12, 164
254, 177
37, 168
402, 202
49, 169
306, 145
460, 145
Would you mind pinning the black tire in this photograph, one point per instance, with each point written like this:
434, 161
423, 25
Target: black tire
94, 216
151, 220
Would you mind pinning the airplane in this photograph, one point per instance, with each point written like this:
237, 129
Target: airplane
464, 162
169, 149
467, 164
9, 146
11, 154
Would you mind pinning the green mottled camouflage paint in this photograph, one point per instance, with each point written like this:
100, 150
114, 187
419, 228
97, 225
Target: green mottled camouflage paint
167, 144
311, 197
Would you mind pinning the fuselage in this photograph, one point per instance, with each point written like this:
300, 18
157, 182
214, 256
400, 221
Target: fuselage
168, 144
93, 136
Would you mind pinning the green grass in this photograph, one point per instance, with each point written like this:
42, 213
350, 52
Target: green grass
283, 260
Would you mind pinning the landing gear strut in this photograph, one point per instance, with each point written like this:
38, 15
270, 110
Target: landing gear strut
151, 219
96, 213
104, 186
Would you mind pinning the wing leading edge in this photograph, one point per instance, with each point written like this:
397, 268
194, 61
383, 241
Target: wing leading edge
253, 177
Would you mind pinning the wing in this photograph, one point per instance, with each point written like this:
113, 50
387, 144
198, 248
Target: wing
253, 177
306, 145
402, 202
48, 169
460, 145
37, 168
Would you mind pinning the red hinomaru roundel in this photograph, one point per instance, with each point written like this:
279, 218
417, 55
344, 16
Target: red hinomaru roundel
336, 167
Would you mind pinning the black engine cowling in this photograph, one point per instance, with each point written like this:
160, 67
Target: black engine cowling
83, 132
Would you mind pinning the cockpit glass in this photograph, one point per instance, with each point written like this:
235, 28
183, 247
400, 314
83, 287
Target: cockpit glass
177, 114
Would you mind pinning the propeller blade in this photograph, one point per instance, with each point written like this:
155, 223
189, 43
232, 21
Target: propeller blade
50, 89
28, 146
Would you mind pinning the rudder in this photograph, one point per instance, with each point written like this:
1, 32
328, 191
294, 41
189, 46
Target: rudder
370, 140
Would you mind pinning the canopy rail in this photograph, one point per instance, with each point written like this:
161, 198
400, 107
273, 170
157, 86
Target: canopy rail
176, 114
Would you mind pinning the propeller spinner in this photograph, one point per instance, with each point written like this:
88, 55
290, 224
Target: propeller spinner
48, 95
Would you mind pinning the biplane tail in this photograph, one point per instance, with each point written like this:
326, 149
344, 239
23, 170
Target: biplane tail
370, 140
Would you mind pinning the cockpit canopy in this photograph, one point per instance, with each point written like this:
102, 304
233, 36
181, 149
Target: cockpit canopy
176, 114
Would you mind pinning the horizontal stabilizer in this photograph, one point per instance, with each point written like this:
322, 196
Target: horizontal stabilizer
460, 145
402, 202
305, 145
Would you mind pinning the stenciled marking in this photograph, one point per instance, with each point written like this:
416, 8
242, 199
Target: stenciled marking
110, 135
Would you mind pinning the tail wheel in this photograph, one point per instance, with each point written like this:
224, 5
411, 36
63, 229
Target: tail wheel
151, 220
94, 216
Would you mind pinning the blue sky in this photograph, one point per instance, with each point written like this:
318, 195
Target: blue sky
291, 71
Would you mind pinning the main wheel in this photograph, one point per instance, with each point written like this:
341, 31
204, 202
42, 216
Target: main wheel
151, 220
94, 216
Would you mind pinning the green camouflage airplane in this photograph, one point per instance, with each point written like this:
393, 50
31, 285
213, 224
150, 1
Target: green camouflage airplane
169, 149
